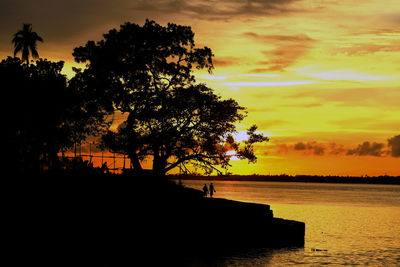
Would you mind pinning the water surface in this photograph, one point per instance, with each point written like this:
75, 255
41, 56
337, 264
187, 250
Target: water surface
346, 224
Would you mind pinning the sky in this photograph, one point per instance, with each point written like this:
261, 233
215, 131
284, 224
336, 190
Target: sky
321, 78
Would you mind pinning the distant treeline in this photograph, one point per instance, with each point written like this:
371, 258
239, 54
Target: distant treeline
296, 178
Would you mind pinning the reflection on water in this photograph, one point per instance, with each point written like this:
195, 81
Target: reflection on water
345, 224
254, 257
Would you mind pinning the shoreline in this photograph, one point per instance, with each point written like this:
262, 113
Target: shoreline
384, 180
124, 217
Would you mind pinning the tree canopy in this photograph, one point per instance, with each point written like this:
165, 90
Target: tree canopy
45, 113
146, 72
25, 42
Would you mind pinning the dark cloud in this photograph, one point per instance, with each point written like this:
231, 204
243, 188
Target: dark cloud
316, 148
364, 149
368, 149
59, 20
218, 10
307, 148
394, 144
300, 146
336, 149
73, 22
287, 49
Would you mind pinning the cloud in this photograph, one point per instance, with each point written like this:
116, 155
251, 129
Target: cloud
279, 83
302, 105
282, 57
394, 144
308, 148
287, 49
60, 20
226, 61
279, 38
392, 18
300, 146
218, 10
316, 148
359, 49
320, 148
368, 149
67, 24
359, 42
259, 70
282, 148
336, 149
354, 97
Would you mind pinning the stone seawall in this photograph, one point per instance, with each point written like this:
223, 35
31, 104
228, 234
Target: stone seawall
86, 221
211, 224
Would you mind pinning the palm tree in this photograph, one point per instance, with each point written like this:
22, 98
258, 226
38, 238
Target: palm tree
25, 41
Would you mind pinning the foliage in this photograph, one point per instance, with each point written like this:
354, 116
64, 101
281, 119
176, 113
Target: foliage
88, 116
25, 42
44, 114
147, 72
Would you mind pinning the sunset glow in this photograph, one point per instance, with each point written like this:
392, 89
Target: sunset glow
319, 77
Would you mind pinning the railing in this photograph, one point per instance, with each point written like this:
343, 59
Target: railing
117, 165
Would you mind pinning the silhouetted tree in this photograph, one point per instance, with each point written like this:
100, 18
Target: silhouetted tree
43, 113
25, 42
87, 110
146, 72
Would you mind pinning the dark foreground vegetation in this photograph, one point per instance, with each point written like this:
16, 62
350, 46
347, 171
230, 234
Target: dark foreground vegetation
59, 219
384, 179
65, 212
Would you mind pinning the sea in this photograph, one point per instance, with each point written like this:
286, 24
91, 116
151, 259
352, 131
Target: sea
346, 224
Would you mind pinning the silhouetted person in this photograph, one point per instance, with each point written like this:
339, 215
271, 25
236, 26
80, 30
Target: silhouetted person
212, 189
205, 190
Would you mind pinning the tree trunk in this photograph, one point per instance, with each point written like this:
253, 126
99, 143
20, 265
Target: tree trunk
133, 157
132, 145
53, 160
158, 163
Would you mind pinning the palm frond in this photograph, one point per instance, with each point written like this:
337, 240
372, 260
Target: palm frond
34, 53
25, 41
18, 48
17, 40
36, 37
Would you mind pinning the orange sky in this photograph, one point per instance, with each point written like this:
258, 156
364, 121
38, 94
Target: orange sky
320, 77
